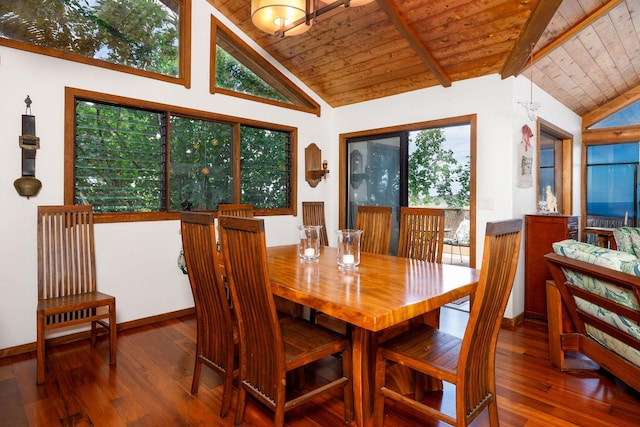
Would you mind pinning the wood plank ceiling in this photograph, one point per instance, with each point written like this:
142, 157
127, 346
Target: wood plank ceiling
586, 52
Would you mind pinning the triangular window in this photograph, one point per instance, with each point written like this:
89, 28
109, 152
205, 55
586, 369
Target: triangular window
628, 116
238, 70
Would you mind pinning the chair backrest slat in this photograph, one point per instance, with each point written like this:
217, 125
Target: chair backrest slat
421, 233
375, 222
261, 361
313, 214
66, 260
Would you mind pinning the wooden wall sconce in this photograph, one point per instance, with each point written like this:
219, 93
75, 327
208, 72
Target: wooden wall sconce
315, 168
28, 185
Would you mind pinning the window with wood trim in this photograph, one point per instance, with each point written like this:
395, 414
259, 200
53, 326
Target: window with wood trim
238, 70
144, 37
136, 160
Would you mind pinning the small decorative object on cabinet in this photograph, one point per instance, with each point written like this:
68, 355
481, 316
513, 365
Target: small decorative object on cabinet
315, 168
540, 232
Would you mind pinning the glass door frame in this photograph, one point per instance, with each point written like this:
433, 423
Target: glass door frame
376, 133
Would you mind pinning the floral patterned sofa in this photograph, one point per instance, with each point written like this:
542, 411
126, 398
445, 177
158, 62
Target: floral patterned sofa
593, 306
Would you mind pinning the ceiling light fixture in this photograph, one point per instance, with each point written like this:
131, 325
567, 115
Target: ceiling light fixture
292, 17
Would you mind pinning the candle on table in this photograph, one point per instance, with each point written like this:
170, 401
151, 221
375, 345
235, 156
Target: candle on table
348, 259
309, 252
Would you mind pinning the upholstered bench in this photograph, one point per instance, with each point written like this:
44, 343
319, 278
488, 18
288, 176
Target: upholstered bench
593, 308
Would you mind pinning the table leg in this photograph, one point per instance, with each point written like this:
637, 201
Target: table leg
362, 381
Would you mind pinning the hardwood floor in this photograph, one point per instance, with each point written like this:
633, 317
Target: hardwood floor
150, 386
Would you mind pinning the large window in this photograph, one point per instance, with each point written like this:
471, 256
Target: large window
612, 184
146, 37
133, 160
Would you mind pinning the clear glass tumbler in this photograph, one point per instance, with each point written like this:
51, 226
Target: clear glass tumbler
348, 249
309, 243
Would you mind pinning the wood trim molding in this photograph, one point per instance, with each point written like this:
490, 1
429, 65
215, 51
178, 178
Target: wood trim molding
513, 322
65, 339
611, 135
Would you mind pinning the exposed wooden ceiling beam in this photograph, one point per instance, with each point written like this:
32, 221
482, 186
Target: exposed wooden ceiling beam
588, 20
414, 41
537, 23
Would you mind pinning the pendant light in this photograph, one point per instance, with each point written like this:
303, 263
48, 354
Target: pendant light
277, 16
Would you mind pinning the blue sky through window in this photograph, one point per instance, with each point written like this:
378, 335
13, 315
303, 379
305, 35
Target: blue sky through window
626, 117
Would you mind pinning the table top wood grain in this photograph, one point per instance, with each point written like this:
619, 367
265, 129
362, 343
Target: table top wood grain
384, 290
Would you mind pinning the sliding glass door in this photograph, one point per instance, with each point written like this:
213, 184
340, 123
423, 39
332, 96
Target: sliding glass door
417, 166
373, 171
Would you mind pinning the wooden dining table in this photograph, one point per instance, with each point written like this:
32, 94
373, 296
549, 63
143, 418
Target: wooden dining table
384, 291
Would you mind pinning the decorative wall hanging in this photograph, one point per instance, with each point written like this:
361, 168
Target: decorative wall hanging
315, 168
525, 159
28, 185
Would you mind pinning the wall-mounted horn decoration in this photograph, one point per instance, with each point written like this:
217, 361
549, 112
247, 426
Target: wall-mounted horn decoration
28, 185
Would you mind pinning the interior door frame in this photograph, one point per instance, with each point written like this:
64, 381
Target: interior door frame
564, 162
470, 119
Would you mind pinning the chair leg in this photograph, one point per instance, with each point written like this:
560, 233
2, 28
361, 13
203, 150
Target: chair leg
493, 413
242, 394
40, 354
347, 371
113, 343
279, 416
197, 369
419, 386
378, 398
226, 393
94, 329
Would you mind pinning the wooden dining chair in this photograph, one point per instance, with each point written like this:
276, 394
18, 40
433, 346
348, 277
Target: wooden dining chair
420, 237
217, 335
421, 233
467, 363
269, 348
236, 209
375, 222
67, 289
313, 214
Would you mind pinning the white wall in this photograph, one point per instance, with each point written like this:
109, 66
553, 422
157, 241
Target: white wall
499, 122
137, 261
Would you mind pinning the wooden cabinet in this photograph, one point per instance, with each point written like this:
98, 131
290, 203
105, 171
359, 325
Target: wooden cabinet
540, 231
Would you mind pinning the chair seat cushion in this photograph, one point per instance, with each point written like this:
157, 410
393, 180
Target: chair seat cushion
628, 240
615, 260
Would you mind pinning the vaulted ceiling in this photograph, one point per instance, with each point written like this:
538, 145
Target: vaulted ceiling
586, 53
